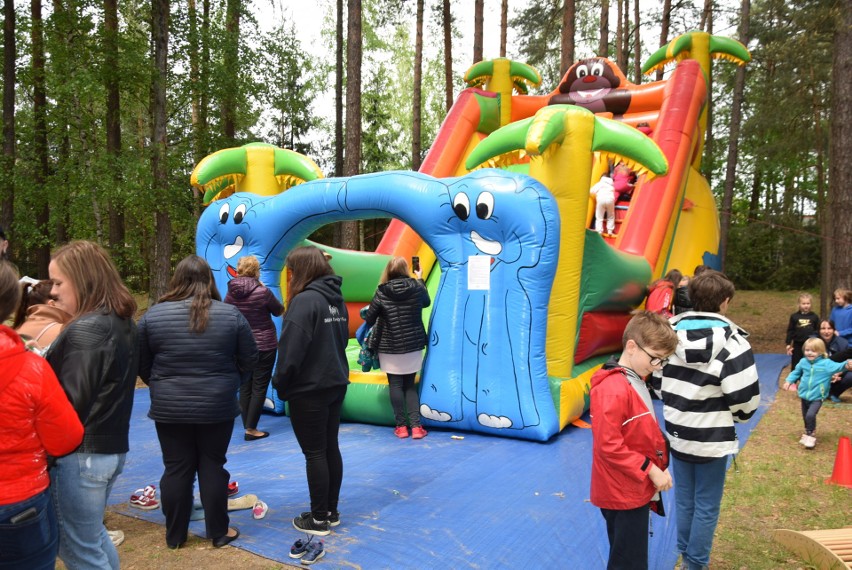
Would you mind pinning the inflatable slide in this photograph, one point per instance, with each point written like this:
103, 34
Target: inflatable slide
528, 301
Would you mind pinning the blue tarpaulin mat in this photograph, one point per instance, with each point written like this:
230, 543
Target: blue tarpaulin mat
477, 502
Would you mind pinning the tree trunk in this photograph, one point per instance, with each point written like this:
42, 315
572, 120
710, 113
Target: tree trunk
338, 94
733, 139
40, 137
448, 53
840, 175
637, 45
418, 85
232, 62
504, 26
159, 163
352, 165
478, 15
569, 24
603, 45
7, 169
620, 32
664, 30
113, 133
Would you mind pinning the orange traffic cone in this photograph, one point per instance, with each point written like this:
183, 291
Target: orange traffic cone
842, 474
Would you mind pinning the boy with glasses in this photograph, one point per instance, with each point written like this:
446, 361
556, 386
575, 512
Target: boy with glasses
629, 451
709, 384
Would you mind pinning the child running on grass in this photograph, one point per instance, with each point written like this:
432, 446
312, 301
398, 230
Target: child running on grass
629, 452
813, 376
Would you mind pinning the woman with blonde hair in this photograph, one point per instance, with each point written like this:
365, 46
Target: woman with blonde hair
96, 360
37, 421
312, 376
195, 351
258, 305
399, 339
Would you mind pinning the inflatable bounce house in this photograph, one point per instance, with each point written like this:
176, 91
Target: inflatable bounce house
528, 300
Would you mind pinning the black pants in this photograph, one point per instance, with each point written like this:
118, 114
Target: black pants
628, 538
798, 353
838, 388
253, 392
810, 409
404, 396
189, 449
315, 417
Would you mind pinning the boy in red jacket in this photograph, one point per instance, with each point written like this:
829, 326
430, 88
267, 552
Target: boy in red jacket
629, 451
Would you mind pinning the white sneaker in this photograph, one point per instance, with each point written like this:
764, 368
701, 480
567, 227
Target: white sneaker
811, 442
803, 439
116, 536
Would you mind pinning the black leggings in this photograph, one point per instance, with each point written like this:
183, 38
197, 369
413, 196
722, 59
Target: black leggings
403, 395
253, 392
315, 417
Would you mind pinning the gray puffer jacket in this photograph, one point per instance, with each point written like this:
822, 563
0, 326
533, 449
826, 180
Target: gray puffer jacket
398, 308
194, 377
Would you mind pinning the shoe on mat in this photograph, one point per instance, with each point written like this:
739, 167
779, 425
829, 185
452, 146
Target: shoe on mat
333, 518
401, 432
811, 442
244, 502
233, 488
116, 536
300, 547
145, 499
418, 432
259, 511
315, 551
310, 525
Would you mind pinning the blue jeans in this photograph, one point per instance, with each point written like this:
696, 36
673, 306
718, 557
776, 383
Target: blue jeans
33, 539
810, 409
80, 484
698, 491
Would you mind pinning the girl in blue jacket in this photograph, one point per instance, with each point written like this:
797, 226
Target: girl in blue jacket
813, 376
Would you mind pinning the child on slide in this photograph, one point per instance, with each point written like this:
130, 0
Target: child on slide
604, 193
813, 376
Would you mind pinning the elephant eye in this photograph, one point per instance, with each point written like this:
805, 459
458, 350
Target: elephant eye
485, 205
223, 213
239, 213
461, 206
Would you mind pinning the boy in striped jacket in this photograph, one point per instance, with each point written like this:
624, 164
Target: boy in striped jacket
709, 384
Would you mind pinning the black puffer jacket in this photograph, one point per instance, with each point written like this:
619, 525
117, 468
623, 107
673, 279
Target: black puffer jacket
96, 360
399, 304
194, 377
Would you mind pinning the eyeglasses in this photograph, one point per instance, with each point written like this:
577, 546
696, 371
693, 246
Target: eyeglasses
654, 360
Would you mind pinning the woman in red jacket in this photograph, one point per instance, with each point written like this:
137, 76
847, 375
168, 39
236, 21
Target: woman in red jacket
37, 421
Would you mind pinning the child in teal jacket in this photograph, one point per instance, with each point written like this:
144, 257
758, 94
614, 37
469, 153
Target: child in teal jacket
813, 376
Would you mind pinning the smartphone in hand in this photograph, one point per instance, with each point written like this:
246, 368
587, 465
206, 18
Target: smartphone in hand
415, 263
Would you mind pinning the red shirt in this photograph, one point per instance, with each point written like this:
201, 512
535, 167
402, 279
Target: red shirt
37, 420
626, 441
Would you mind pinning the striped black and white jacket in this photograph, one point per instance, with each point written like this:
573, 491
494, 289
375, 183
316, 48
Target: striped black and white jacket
709, 383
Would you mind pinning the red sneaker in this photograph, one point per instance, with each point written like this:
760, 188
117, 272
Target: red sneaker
418, 432
233, 488
401, 432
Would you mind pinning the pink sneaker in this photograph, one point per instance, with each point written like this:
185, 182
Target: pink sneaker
259, 511
418, 432
401, 432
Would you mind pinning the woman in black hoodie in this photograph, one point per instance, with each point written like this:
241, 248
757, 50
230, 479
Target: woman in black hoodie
312, 376
400, 338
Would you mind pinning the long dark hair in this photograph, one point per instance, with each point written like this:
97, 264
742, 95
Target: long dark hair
193, 278
306, 264
31, 294
9, 289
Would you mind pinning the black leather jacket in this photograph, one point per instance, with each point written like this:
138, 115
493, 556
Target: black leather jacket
398, 307
96, 361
